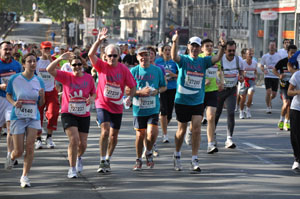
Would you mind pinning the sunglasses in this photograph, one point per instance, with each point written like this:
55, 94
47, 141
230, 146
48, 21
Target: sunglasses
79, 64
114, 55
231, 51
47, 48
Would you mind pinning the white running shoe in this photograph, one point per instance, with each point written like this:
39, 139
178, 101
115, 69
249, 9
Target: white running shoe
296, 166
72, 173
50, 144
25, 182
155, 150
9, 164
242, 114
188, 137
269, 110
248, 114
229, 144
195, 165
177, 163
212, 149
38, 144
79, 165
165, 139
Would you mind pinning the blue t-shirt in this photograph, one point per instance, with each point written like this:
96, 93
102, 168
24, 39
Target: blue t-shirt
295, 60
28, 94
6, 71
152, 77
191, 80
171, 66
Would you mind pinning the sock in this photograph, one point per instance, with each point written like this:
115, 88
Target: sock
140, 159
148, 152
247, 108
39, 138
73, 168
102, 158
285, 121
281, 118
108, 157
79, 158
49, 135
8, 154
177, 153
229, 137
194, 157
211, 144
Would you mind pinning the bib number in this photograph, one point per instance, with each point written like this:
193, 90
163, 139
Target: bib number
230, 80
250, 74
112, 91
211, 72
6, 76
45, 76
28, 110
193, 80
147, 102
77, 107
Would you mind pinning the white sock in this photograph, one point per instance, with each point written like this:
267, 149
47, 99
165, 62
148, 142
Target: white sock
194, 157
281, 118
177, 153
229, 137
108, 157
285, 121
8, 155
102, 158
79, 158
211, 143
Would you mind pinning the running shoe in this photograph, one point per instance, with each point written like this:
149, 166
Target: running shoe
72, 173
9, 164
15, 162
212, 149
248, 114
155, 151
50, 144
107, 166
3, 132
296, 166
280, 125
242, 114
188, 137
25, 182
79, 165
138, 165
269, 110
286, 126
204, 121
165, 139
229, 144
195, 165
102, 167
177, 163
149, 161
38, 144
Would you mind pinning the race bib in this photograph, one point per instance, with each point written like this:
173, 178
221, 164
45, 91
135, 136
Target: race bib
5, 77
250, 73
212, 72
287, 75
193, 80
112, 91
77, 106
28, 109
43, 73
230, 80
270, 69
147, 102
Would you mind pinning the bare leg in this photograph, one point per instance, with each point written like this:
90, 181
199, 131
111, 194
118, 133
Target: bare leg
196, 131
103, 142
73, 134
140, 136
28, 158
113, 140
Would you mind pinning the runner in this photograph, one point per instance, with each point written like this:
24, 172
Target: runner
233, 72
78, 94
284, 77
190, 95
8, 67
112, 79
51, 105
268, 62
283, 52
25, 118
150, 82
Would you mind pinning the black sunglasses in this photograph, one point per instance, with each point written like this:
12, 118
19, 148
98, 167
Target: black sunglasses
114, 55
79, 64
231, 51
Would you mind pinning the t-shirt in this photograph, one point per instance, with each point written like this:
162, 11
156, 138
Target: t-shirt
249, 69
130, 59
6, 71
191, 80
152, 77
231, 71
76, 90
269, 62
43, 73
283, 53
171, 66
27, 93
295, 81
295, 60
283, 69
66, 67
111, 83
62, 62
211, 75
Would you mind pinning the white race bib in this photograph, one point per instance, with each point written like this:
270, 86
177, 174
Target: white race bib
250, 73
112, 91
270, 69
5, 77
193, 79
212, 72
230, 80
77, 106
147, 102
28, 110
287, 75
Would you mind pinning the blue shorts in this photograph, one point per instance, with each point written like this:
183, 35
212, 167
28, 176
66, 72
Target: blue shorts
141, 122
115, 119
20, 126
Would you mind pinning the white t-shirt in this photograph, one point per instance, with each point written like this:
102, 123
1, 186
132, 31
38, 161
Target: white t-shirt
269, 62
231, 71
42, 73
249, 69
295, 81
283, 53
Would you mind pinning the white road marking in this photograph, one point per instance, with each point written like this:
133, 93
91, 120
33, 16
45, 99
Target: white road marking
253, 146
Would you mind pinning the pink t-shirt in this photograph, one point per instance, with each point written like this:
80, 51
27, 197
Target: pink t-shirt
75, 92
111, 83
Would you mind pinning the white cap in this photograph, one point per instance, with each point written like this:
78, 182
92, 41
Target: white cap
195, 40
56, 49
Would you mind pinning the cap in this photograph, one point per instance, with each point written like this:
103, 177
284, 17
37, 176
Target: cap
195, 40
46, 44
63, 46
131, 46
143, 49
56, 49
295, 60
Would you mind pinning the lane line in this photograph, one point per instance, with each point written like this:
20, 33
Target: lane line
253, 146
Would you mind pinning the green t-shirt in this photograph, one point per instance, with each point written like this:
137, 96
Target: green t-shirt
211, 75
62, 62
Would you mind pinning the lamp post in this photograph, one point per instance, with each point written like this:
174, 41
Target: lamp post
64, 30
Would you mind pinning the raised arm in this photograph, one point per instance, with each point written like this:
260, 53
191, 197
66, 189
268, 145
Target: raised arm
174, 49
51, 68
221, 50
92, 53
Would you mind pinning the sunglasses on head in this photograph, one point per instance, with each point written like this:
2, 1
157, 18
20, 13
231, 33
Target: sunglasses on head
113, 55
78, 64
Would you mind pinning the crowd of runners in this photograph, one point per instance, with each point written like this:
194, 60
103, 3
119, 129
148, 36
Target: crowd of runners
46, 81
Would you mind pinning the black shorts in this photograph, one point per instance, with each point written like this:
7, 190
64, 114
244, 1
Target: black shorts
184, 113
284, 95
167, 103
211, 99
115, 119
141, 122
82, 123
272, 83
